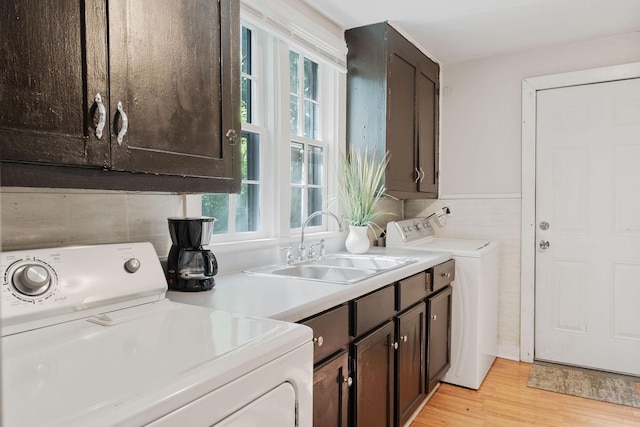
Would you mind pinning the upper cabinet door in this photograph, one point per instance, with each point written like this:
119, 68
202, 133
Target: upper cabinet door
174, 72
48, 84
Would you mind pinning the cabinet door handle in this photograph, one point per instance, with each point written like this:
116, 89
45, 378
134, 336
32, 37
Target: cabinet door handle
125, 123
417, 176
348, 381
434, 317
404, 338
422, 174
102, 118
318, 341
394, 345
446, 275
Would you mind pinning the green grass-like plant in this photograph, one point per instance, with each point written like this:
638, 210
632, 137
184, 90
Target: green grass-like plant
362, 187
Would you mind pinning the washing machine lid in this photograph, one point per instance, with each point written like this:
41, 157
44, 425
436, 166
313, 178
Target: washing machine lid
458, 247
132, 366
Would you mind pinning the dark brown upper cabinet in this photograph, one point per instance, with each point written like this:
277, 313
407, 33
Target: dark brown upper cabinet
77, 74
392, 105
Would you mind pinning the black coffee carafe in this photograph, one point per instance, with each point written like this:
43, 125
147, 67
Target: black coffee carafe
190, 267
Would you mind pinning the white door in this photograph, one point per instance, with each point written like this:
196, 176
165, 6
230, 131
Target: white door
587, 296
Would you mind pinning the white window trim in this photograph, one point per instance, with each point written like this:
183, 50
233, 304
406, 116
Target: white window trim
275, 161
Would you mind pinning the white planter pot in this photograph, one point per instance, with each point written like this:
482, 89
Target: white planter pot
357, 241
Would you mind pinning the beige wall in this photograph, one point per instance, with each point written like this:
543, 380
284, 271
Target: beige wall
47, 218
480, 152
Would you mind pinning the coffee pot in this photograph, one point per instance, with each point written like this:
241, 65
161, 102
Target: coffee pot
190, 267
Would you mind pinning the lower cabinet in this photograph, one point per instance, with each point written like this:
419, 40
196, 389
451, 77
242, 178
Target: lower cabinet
438, 336
410, 362
331, 382
374, 366
378, 356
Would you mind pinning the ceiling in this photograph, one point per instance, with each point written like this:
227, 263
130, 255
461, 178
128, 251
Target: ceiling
459, 30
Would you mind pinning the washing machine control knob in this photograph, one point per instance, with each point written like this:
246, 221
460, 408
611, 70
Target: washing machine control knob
31, 279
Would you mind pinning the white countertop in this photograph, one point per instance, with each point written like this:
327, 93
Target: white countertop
291, 299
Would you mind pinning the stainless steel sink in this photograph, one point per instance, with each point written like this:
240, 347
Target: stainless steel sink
337, 268
369, 262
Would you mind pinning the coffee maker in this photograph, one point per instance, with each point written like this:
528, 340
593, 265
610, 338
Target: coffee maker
190, 267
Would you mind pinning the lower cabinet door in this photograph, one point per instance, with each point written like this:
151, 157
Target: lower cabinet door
373, 395
331, 382
411, 335
438, 336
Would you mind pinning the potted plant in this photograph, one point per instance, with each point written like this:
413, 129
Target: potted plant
362, 189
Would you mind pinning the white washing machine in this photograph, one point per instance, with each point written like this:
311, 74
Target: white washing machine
474, 324
88, 339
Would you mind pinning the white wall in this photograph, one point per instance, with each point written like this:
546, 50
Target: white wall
481, 103
480, 152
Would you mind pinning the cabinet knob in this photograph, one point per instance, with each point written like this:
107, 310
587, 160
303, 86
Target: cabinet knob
404, 338
318, 341
434, 317
446, 275
232, 136
348, 381
394, 345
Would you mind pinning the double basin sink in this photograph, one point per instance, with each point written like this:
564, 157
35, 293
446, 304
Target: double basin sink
337, 268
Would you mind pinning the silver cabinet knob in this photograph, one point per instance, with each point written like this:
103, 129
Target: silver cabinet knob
348, 381
404, 338
434, 317
544, 244
318, 341
394, 345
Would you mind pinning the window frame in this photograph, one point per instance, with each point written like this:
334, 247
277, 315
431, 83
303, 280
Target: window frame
271, 122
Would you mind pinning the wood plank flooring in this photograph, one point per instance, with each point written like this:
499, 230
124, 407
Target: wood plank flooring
505, 400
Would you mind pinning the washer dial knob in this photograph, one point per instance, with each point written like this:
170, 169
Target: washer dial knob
32, 280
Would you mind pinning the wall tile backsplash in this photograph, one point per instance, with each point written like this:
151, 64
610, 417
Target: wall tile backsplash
48, 218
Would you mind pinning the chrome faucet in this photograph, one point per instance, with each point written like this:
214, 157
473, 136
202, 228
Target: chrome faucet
301, 253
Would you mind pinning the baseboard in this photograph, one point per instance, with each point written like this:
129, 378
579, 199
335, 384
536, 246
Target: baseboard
417, 411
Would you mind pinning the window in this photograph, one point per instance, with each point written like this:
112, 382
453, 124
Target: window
290, 100
307, 155
241, 213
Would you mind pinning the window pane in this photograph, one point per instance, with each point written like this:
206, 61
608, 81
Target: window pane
245, 100
315, 168
217, 206
315, 204
310, 79
295, 217
248, 208
250, 156
297, 163
293, 72
310, 120
246, 50
293, 115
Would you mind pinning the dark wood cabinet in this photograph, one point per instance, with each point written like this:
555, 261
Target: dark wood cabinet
392, 105
373, 389
410, 362
331, 382
377, 357
167, 73
438, 336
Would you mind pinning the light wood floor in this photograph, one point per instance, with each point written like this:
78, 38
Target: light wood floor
505, 400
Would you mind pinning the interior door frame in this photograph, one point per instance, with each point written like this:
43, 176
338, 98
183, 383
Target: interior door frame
530, 88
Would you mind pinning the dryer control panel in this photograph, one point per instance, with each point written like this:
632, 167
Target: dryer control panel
41, 287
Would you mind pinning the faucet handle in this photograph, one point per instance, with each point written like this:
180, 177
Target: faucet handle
312, 252
289, 255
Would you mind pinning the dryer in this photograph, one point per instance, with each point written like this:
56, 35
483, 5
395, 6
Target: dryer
88, 338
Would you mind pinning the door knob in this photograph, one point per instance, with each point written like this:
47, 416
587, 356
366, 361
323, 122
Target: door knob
544, 244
